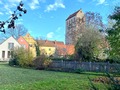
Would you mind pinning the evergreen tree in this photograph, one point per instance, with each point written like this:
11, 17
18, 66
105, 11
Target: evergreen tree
37, 50
114, 35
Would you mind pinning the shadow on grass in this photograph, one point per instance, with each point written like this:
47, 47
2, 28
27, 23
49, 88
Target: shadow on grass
78, 72
94, 73
92, 85
4, 63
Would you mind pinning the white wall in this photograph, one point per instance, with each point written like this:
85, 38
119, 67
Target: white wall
4, 47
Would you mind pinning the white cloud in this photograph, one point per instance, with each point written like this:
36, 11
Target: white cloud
42, 1
1, 13
7, 8
34, 4
20, 19
101, 1
1, 2
14, 1
58, 29
55, 6
50, 35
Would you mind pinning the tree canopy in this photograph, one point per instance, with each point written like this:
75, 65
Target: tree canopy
114, 35
91, 42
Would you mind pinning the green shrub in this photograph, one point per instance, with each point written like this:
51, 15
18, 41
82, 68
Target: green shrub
41, 62
21, 57
79, 71
13, 62
47, 62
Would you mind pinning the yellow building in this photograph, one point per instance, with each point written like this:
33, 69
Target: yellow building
47, 47
31, 42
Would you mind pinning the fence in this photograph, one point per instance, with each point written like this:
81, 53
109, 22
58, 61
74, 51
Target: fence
86, 66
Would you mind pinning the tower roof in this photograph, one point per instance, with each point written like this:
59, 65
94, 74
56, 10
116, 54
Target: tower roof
72, 15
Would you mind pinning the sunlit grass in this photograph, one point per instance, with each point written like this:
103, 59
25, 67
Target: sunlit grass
12, 78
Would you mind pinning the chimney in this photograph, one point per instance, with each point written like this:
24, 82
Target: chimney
55, 42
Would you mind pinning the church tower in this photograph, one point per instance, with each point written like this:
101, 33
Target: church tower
74, 27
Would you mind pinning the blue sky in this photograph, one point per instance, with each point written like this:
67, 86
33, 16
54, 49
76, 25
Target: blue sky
46, 18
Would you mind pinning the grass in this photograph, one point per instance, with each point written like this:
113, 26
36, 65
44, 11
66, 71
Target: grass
12, 78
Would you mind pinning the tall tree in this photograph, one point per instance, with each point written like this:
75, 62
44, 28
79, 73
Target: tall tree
91, 42
18, 31
114, 35
89, 45
37, 46
94, 19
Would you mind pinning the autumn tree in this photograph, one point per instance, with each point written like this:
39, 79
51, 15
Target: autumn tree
114, 35
89, 45
91, 42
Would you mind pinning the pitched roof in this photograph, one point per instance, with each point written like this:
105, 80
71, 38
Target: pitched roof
70, 49
9, 38
72, 15
49, 43
65, 49
23, 39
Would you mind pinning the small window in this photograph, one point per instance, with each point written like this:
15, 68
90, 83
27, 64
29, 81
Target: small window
10, 45
3, 54
23, 45
12, 54
9, 54
30, 45
49, 49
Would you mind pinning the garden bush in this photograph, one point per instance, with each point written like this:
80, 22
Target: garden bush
21, 57
41, 62
47, 63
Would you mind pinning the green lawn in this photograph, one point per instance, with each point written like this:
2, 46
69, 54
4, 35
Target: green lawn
12, 78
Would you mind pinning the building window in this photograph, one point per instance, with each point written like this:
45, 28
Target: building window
23, 45
30, 45
3, 54
9, 54
10, 45
49, 49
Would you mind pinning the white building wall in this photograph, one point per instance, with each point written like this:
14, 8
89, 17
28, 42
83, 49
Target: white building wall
4, 47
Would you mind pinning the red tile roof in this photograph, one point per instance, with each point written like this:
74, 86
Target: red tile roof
70, 49
50, 43
61, 48
65, 49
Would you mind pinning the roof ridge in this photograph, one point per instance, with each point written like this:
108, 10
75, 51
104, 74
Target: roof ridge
73, 14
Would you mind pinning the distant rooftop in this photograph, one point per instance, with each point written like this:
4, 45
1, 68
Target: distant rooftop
50, 43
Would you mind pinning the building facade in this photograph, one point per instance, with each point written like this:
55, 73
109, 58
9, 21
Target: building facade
47, 47
74, 26
6, 47
55, 48
31, 41
23, 43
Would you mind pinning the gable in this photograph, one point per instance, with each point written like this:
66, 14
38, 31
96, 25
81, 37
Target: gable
29, 39
23, 42
4, 45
